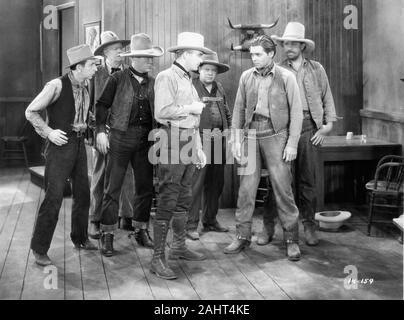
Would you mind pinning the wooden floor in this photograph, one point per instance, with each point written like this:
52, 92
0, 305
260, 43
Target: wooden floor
258, 273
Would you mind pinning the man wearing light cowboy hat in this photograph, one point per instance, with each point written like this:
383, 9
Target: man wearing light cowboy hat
319, 115
111, 47
67, 101
178, 110
129, 96
215, 118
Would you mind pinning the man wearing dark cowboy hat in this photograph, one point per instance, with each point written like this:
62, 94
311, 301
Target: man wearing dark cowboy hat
215, 118
111, 48
67, 101
319, 115
267, 103
129, 95
178, 109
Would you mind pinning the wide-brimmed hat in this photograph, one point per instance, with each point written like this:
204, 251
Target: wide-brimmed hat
213, 59
190, 41
79, 54
141, 46
109, 38
295, 31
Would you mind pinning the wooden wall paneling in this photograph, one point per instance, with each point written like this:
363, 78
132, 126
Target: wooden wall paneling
113, 15
166, 43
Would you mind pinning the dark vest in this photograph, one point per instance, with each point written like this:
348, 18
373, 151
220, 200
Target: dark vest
279, 108
205, 122
61, 113
123, 101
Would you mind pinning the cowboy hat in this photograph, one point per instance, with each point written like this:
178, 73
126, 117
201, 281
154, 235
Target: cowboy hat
190, 41
141, 46
109, 38
295, 31
79, 54
213, 59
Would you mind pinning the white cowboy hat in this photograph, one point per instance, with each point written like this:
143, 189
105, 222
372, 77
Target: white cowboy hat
213, 59
79, 54
109, 38
295, 31
141, 46
190, 41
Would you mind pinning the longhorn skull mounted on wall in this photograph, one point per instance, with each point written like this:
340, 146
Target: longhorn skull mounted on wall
249, 32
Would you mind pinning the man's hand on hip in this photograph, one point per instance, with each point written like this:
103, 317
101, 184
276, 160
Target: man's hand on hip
58, 137
102, 143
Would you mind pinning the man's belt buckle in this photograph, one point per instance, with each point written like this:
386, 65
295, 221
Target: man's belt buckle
80, 134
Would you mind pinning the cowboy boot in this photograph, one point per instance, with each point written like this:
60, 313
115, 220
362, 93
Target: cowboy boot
94, 230
178, 248
266, 235
236, 246
42, 260
310, 234
107, 241
143, 238
292, 244
159, 265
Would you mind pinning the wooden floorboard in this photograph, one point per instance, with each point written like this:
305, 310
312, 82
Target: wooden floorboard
13, 273
72, 278
258, 273
123, 266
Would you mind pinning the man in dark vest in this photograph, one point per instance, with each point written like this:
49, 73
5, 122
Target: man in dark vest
111, 48
215, 118
128, 98
267, 103
67, 101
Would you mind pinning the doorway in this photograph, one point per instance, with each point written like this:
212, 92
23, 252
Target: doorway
66, 36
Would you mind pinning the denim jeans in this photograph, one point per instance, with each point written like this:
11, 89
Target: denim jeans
127, 196
63, 162
175, 179
305, 173
268, 153
207, 187
130, 147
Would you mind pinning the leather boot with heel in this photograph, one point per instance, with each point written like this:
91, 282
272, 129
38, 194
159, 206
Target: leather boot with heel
266, 235
107, 241
159, 265
178, 248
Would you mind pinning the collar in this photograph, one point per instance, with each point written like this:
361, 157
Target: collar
181, 70
134, 73
290, 64
109, 66
268, 70
75, 83
214, 88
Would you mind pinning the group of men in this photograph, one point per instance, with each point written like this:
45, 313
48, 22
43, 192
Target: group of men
289, 108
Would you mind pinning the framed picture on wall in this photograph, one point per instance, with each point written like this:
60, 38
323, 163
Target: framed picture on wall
92, 34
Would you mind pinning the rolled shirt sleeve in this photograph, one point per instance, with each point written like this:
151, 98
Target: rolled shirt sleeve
49, 94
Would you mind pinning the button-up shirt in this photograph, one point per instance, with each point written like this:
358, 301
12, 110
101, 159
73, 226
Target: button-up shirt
174, 90
299, 77
263, 84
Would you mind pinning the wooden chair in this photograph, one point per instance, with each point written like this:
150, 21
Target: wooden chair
386, 190
14, 146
